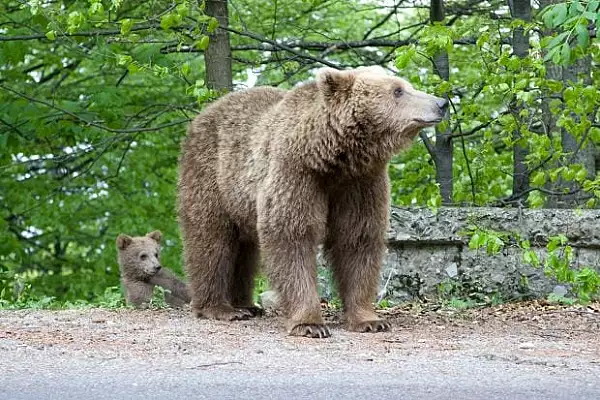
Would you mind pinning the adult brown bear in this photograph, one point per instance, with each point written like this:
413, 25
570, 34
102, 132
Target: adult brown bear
276, 173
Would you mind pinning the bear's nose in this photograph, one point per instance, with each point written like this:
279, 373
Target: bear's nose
442, 103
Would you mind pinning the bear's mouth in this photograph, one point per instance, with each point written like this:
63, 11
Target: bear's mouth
428, 122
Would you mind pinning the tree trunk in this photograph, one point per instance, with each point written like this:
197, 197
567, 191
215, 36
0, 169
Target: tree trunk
553, 72
217, 58
443, 139
520, 9
578, 154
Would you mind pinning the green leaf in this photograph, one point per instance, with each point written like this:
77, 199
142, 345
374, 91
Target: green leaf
170, 20
581, 175
531, 258
96, 7
475, 242
124, 59
74, 21
51, 35
521, 84
404, 56
548, 16
185, 68
115, 4
213, 24
183, 9
558, 39
126, 26
560, 14
583, 36
551, 54
565, 53
539, 178
203, 43
555, 86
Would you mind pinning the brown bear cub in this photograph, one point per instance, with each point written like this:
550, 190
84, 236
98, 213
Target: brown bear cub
141, 270
275, 173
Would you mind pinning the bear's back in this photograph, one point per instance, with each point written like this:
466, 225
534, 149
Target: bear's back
224, 149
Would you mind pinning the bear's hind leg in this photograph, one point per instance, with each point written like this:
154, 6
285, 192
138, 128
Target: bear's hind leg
209, 255
242, 287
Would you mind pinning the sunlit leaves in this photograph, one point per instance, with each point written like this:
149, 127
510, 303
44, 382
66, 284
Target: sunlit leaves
573, 19
126, 25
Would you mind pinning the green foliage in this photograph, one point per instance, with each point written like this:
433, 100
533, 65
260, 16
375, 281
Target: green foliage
572, 18
585, 281
559, 262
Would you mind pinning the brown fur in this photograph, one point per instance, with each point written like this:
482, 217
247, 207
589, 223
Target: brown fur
141, 270
284, 171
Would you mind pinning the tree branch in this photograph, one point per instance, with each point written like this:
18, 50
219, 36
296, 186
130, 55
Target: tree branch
101, 32
427, 144
91, 123
281, 46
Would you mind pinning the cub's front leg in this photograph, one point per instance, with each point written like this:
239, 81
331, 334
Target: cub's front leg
138, 294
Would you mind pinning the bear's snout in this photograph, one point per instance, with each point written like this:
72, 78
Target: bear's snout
442, 103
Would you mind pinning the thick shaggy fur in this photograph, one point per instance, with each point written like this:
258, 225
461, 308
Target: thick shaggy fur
141, 270
280, 172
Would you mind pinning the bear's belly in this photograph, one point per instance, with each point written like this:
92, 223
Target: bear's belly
238, 181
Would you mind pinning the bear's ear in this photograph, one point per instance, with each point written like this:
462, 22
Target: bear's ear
155, 235
123, 241
330, 81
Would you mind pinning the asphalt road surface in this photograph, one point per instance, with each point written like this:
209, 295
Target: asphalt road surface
100, 354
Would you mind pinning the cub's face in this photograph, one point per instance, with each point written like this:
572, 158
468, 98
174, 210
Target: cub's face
382, 104
139, 256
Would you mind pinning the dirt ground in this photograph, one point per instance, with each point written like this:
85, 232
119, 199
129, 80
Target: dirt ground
531, 332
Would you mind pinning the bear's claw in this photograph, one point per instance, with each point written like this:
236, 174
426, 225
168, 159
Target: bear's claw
311, 330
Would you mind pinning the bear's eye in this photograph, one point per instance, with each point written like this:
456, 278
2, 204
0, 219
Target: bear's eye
156, 255
398, 92
144, 257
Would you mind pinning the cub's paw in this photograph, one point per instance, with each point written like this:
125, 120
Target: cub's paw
223, 313
379, 325
311, 330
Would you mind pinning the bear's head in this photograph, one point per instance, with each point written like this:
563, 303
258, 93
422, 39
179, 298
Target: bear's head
382, 109
139, 255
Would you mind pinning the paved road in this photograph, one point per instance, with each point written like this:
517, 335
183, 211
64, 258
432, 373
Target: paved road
103, 355
453, 378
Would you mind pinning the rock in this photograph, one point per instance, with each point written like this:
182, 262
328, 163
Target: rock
526, 346
452, 270
560, 291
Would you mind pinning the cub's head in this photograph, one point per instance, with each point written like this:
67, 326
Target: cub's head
382, 106
138, 256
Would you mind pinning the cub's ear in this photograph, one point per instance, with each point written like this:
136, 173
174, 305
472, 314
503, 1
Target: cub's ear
155, 235
331, 81
123, 241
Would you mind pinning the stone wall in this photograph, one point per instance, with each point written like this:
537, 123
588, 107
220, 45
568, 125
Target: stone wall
429, 252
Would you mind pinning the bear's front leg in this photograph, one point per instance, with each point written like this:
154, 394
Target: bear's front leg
291, 220
355, 245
